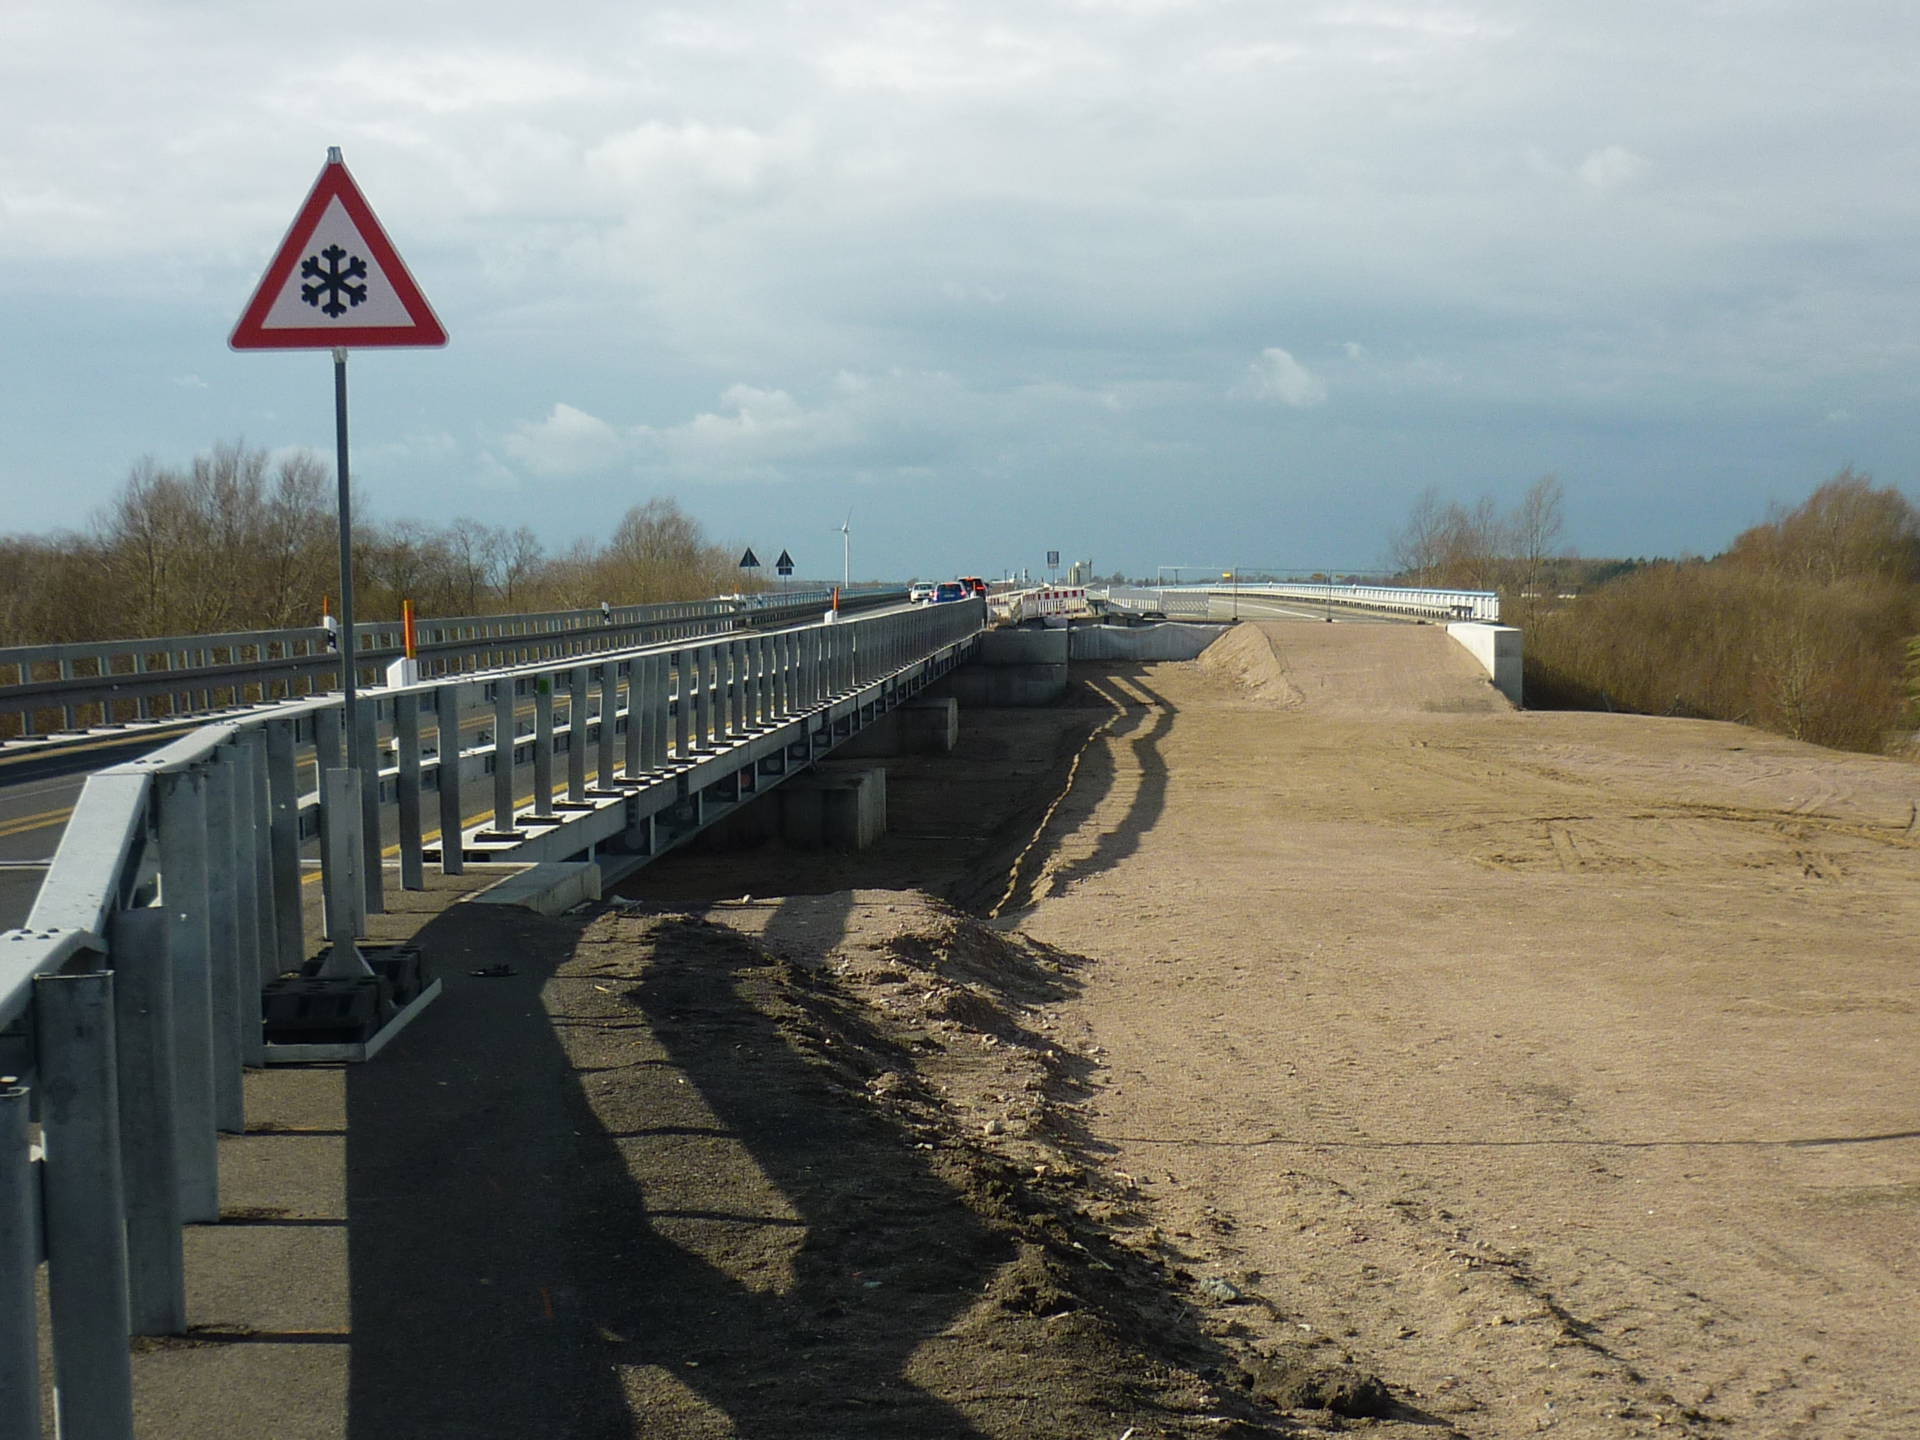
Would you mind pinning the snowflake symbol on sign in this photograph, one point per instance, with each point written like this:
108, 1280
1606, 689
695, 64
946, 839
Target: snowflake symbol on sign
335, 280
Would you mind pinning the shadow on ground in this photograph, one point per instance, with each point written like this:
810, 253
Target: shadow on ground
512, 1277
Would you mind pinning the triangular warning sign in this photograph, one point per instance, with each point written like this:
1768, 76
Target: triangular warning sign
336, 281
749, 561
785, 562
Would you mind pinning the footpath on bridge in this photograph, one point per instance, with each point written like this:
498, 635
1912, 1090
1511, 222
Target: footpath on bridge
277, 1289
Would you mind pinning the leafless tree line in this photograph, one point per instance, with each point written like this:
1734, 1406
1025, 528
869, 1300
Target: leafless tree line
1477, 547
1806, 625
244, 540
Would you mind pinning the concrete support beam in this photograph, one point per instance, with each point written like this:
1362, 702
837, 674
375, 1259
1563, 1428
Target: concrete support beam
925, 725
1014, 667
834, 809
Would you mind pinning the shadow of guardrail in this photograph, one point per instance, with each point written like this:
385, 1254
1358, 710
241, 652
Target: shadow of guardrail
535, 1188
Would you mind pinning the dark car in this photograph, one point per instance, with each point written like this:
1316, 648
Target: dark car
949, 590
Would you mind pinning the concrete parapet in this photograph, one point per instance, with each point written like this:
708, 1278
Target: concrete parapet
1014, 667
1166, 641
1036, 645
1498, 649
548, 888
834, 809
924, 725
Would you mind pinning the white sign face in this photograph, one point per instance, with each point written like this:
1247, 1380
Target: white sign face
336, 281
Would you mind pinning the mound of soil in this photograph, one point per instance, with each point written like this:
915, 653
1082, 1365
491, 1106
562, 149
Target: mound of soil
850, 1204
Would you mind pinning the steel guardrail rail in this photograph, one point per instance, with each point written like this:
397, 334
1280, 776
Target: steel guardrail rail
209, 674
130, 1001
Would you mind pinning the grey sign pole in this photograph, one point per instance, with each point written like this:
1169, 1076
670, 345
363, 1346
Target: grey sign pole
354, 757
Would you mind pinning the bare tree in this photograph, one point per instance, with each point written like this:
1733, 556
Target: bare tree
1846, 529
1417, 550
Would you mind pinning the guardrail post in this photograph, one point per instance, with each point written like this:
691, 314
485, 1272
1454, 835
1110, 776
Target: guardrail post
339, 863
85, 1204
223, 946
660, 701
149, 1120
712, 724
373, 881
182, 803
283, 840
446, 713
577, 734
253, 742
19, 1260
543, 747
682, 704
406, 792
243, 842
639, 717
733, 657
607, 687
504, 725
702, 697
778, 704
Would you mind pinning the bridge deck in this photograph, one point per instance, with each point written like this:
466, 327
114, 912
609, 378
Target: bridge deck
1540, 1058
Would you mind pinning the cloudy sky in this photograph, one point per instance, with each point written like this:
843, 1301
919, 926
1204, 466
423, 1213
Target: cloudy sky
1156, 282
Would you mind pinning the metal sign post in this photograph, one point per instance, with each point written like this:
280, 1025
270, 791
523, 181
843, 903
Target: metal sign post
337, 282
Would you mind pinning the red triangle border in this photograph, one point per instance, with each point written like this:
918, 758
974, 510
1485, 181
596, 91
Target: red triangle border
335, 183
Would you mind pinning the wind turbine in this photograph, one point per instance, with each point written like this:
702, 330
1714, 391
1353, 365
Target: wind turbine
846, 550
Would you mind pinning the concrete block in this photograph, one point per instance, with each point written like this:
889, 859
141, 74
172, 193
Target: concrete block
1008, 685
1498, 649
925, 725
834, 809
1022, 647
1163, 641
548, 888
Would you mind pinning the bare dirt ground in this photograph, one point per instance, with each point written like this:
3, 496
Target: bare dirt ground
1302, 1015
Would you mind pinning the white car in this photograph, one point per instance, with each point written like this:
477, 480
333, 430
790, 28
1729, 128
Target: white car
920, 593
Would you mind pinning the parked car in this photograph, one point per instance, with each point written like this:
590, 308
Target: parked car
948, 590
920, 592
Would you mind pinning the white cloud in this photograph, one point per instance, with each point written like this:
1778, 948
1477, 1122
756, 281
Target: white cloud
729, 159
1611, 167
931, 54
490, 475
1279, 378
457, 83
567, 442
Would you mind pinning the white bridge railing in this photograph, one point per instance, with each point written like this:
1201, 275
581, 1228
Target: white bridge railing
1182, 600
131, 1001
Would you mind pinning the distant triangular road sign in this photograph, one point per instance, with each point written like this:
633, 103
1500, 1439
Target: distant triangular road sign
749, 561
336, 281
784, 564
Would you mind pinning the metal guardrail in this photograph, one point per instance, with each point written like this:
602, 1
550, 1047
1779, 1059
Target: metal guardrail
172, 678
1392, 599
130, 1002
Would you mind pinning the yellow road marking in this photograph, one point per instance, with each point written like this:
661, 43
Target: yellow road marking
21, 824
